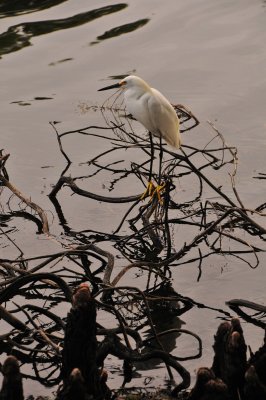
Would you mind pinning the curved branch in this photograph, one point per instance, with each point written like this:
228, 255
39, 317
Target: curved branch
70, 182
31, 204
10, 291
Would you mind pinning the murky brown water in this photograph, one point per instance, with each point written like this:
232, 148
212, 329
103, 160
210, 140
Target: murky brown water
208, 55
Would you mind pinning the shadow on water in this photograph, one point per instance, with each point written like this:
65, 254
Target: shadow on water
120, 30
19, 36
17, 7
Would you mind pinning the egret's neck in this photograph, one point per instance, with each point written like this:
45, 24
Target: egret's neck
135, 92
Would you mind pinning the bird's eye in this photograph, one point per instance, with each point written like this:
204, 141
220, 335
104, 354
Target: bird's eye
123, 83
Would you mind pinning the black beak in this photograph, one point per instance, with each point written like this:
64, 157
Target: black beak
115, 86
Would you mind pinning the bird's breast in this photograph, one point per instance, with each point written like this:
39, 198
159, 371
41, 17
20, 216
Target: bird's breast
137, 105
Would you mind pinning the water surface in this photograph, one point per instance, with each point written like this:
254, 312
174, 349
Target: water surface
207, 55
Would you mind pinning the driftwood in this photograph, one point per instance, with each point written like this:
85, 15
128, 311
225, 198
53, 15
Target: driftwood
4, 180
259, 309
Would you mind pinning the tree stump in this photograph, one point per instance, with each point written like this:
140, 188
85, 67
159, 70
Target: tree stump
79, 368
230, 360
12, 383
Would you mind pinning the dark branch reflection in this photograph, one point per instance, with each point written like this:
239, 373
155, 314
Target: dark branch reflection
122, 29
17, 7
19, 36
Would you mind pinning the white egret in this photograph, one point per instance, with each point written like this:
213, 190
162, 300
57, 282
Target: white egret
150, 108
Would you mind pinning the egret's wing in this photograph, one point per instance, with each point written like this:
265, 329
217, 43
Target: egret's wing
164, 118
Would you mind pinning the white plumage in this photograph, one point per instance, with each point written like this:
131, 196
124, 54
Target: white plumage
150, 108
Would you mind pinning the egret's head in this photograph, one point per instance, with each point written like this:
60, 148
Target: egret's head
128, 82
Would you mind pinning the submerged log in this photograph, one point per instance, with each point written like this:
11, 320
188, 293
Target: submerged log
12, 383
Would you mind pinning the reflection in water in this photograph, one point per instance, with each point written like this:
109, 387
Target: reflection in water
60, 61
18, 36
28, 102
164, 320
120, 30
15, 7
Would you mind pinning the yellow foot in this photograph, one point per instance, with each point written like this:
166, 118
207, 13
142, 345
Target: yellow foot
152, 191
158, 191
149, 190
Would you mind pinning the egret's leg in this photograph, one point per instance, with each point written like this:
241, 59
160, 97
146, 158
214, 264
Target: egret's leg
160, 161
150, 188
152, 156
158, 190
